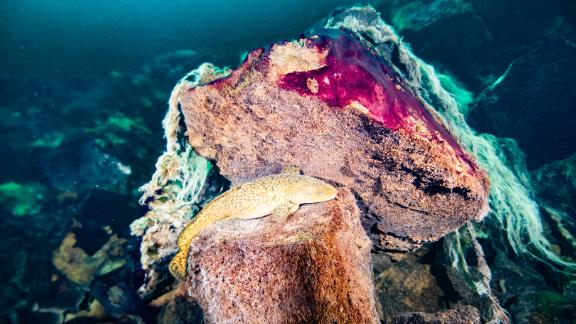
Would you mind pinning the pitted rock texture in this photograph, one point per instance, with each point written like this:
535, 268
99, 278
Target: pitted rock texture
339, 112
313, 268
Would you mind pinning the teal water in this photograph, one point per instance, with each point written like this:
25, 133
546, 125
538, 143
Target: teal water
84, 87
94, 37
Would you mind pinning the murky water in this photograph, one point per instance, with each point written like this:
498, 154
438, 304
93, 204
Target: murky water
84, 87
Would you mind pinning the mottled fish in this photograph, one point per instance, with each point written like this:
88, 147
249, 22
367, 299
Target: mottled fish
279, 195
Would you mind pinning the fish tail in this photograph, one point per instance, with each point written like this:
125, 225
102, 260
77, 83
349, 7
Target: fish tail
179, 264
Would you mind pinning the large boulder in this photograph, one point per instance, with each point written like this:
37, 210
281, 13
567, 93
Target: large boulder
339, 111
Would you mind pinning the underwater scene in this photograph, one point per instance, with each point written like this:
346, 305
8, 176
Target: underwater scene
386, 161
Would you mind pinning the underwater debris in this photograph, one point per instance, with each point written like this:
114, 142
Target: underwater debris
81, 268
314, 267
424, 165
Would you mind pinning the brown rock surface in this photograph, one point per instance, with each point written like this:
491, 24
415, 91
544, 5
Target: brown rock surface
313, 268
412, 179
408, 286
460, 315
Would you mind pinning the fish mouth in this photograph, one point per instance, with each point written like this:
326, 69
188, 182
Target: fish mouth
335, 193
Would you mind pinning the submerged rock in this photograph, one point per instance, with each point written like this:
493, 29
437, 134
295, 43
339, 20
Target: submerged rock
315, 267
180, 311
555, 187
462, 314
476, 40
449, 33
413, 286
80, 165
331, 106
533, 102
555, 184
79, 267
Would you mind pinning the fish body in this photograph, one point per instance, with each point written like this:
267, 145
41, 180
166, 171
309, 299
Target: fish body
279, 195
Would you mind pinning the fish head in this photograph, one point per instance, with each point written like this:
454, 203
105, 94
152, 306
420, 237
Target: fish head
311, 190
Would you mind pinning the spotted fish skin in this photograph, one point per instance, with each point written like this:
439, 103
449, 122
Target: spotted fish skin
279, 194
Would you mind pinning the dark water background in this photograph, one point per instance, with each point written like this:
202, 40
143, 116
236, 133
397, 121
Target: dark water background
93, 37
84, 85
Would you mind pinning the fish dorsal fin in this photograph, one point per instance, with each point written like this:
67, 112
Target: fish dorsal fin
291, 169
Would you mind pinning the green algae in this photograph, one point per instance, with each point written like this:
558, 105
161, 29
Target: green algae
22, 199
117, 129
417, 15
50, 140
552, 304
120, 122
243, 56
400, 19
179, 181
462, 96
146, 102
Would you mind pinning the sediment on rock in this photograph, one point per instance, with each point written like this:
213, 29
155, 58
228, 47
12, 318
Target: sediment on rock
315, 267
